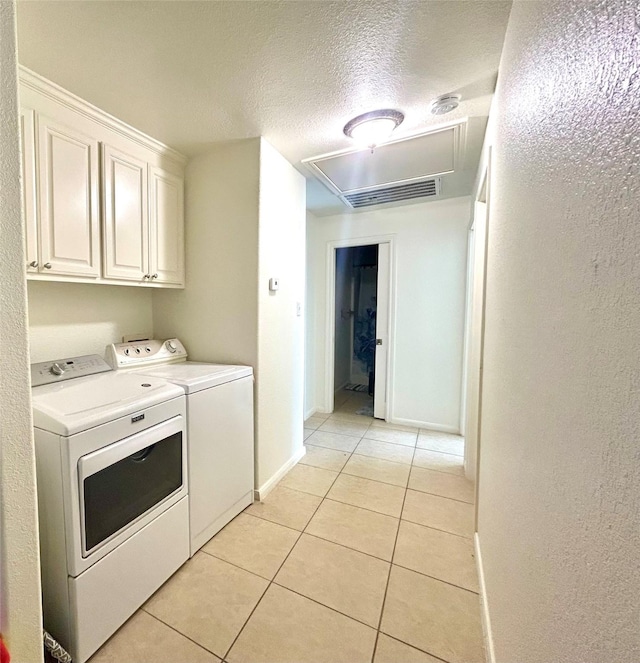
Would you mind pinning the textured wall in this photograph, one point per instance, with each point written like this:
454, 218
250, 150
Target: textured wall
310, 342
559, 508
68, 319
245, 224
430, 279
280, 374
216, 314
20, 609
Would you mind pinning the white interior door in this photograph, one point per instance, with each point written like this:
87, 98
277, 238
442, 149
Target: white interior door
382, 332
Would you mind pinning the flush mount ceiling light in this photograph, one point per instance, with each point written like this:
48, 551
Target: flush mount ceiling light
371, 129
445, 104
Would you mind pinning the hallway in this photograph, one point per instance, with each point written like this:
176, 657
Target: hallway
362, 553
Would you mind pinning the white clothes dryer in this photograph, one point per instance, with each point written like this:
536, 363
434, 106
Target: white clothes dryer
220, 435
112, 494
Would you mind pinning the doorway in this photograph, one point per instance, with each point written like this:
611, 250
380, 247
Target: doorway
478, 253
356, 294
358, 313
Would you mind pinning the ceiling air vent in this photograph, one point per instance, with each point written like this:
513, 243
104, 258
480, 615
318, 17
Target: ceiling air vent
393, 194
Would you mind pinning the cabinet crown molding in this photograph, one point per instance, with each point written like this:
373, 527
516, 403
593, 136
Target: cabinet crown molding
57, 93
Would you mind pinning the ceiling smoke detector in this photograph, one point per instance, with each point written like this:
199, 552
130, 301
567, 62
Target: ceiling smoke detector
445, 104
371, 129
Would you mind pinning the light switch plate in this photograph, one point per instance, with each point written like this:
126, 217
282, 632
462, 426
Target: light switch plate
274, 284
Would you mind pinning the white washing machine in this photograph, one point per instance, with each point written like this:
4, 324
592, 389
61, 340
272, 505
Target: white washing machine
219, 428
112, 494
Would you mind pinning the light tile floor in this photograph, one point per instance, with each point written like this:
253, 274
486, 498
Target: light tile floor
362, 553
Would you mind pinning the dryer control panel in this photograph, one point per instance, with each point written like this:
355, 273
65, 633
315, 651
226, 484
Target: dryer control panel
136, 354
46, 372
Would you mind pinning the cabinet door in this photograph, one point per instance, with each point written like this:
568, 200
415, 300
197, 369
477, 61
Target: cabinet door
126, 222
166, 226
28, 143
68, 188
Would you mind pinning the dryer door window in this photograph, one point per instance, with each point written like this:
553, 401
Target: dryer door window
121, 492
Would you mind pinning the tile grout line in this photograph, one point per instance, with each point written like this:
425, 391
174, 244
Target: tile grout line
393, 554
397, 462
385, 596
364, 508
355, 506
426, 575
400, 444
173, 628
431, 469
404, 446
304, 531
340, 545
446, 497
445, 531
259, 601
332, 499
393, 637
271, 582
391, 564
386, 483
324, 605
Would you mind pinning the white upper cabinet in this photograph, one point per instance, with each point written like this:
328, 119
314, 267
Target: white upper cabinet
28, 141
103, 202
166, 205
126, 220
68, 188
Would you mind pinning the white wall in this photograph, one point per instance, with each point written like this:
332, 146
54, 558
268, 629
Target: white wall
280, 383
20, 604
216, 314
310, 347
245, 224
67, 319
559, 507
429, 276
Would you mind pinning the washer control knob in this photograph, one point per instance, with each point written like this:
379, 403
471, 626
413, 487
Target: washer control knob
127, 351
56, 369
137, 351
171, 346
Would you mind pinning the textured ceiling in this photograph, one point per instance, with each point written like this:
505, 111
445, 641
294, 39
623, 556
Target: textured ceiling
196, 73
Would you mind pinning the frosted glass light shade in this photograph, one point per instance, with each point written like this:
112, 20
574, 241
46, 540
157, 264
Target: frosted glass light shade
373, 132
373, 128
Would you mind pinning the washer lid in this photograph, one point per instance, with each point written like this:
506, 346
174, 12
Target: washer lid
194, 376
69, 407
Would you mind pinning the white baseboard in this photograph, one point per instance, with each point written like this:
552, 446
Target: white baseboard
310, 412
441, 428
260, 493
484, 604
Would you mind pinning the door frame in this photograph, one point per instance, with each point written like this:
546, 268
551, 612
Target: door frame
481, 211
329, 394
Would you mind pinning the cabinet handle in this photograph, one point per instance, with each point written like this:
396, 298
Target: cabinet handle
146, 276
155, 276
47, 265
33, 263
